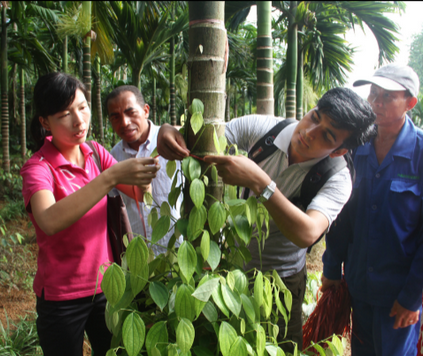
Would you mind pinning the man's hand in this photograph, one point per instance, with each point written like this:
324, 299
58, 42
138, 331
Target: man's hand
240, 171
403, 317
327, 283
171, 144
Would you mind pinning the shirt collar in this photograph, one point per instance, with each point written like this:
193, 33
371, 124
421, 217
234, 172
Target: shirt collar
403, 145
55, 158
283, 140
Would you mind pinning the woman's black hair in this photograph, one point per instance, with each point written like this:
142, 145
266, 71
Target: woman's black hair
53, 93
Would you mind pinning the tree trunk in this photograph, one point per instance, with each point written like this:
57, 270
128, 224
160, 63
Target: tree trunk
86, 7
228, 102
65, 55
291, 59
235, 103
172, 76
4, 94
98, 101
23, 118
136, 77
207, 83
244, 96
154, 108
300, 85
265, 105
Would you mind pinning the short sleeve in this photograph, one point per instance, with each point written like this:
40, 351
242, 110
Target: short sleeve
36, 175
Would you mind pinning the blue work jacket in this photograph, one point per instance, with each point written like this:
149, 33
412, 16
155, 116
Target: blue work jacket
378, 235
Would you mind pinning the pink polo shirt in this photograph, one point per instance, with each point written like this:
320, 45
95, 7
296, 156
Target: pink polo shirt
69, 261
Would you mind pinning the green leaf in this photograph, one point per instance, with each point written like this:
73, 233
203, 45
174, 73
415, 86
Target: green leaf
182, 226
275, 350
185, 334
170, 168
133, 334
223, 143
173, 196
206, 181
230, 280
217, 217
319, 349
185, 302
148, 199
287, 296
160, 229
218, 299
159, 294
238, 348
187, 259
258, 289
267, 298
205, 245
110, 352
197, 219
333, 348
194, 168
197, 122
214, 174
252, 205
153, 217
157, 337
216, 141
113, 284
214, 255
227, 336
261, 340
154, 153
248, 308
241, 281
137, 255
138, 281
197, 106
210, 312
197, 192
232, 300
338, 344
165, 209
204, 292
242, 228
185, 166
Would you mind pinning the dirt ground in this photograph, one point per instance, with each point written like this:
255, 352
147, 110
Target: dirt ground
18, 300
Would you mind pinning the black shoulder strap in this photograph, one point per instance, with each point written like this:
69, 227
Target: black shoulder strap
319, 175
264, 147
96, 156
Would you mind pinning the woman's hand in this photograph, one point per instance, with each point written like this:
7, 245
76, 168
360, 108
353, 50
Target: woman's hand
171, 144
134, 171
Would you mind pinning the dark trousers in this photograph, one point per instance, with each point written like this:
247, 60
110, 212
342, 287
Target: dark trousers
297, 285
61, 326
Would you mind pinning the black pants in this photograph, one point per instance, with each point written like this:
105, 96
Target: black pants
61, 326
297, 285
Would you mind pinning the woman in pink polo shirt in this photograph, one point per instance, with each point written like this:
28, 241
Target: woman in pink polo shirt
65, 196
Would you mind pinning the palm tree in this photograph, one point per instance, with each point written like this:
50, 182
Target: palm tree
141, 34
4, 91
265, 101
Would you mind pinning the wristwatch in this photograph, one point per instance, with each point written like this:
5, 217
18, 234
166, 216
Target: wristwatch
267, 192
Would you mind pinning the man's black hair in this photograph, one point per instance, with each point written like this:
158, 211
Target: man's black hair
124, 88
349, 112
53, 93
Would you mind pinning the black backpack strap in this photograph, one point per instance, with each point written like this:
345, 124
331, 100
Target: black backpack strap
96, 156
264, 147
318, 176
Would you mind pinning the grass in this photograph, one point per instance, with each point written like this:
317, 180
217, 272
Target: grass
20, 339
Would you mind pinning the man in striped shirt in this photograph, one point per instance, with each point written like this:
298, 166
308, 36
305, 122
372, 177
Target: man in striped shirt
128, 114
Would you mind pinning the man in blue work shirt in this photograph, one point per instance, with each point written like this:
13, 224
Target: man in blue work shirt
378, 235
